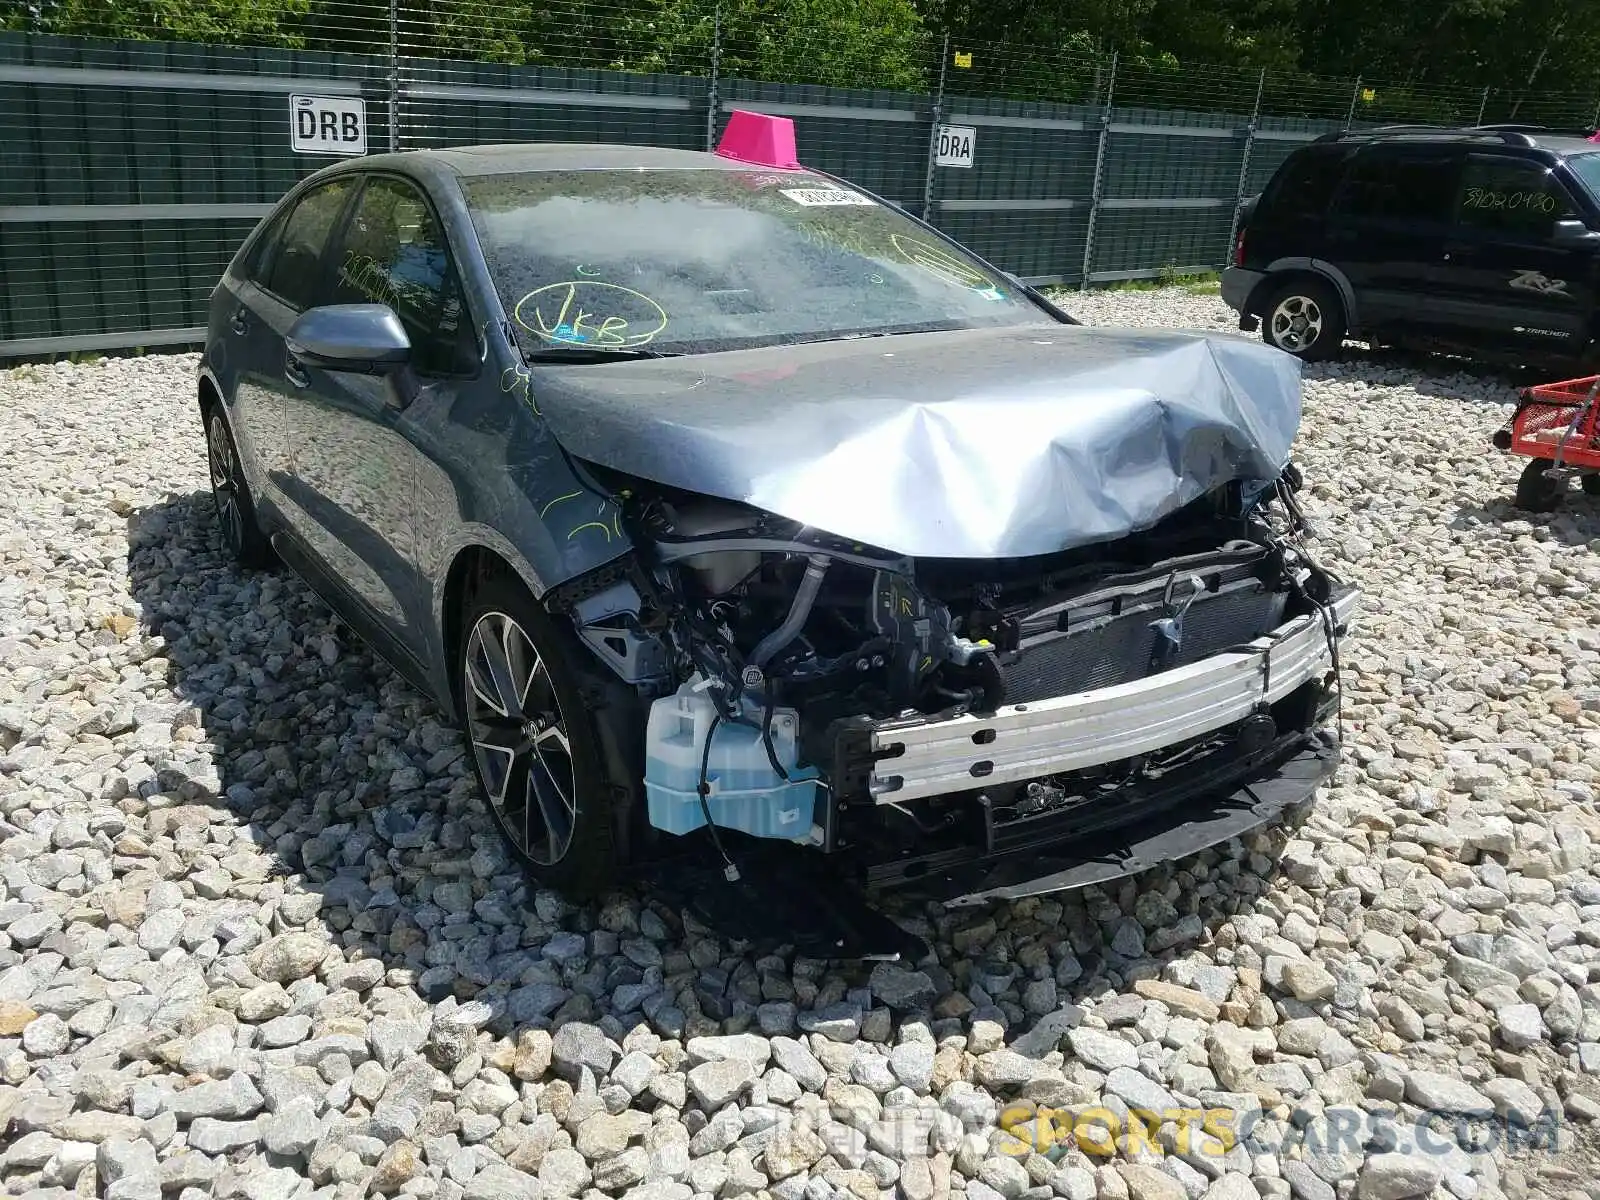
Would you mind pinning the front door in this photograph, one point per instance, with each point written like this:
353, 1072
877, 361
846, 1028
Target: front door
1505, 282
1387, 229
357, 464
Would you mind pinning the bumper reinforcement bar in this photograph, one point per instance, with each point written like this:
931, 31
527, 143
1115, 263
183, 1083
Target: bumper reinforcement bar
914, 759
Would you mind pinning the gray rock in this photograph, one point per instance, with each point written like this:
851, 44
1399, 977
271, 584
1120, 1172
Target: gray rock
900, 988
502, 1183
128, 1170
797, 1059
1102, 1051
219, 1137
1398, 1176
289, 956
578, 1045
563, 1173
1521, 1026
46, 1036
292, 1129
716, 1083
1443, 1094
229, 1099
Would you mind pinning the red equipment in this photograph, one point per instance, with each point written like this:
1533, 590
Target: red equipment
1557, 425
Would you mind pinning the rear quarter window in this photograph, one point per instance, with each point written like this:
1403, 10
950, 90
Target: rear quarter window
1305, 183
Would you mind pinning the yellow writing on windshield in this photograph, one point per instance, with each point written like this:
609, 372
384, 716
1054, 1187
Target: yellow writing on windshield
942, 263
586, 312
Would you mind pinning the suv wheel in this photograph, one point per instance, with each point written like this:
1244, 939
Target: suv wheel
537, 750
1305, 318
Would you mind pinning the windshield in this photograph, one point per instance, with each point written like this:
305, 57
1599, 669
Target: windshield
1587, 168
694, 261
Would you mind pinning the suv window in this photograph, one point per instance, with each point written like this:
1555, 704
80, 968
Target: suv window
1511, 197
394, 252
1306, 182
295, 268
1396, 185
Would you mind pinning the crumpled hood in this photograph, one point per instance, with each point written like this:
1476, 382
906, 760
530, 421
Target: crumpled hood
987, 443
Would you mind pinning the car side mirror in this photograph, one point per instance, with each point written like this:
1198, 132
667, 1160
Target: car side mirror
1570, 232
367, 339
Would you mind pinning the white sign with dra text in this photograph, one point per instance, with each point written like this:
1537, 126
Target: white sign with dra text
955, 145
328, 124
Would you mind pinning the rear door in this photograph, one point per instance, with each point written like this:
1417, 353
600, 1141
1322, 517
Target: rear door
1504, 279
286, 281
1387, 230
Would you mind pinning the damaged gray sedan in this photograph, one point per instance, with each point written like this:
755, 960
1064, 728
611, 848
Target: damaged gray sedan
727, 506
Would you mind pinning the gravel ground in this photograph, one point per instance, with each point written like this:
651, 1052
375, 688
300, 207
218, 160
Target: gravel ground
257, 941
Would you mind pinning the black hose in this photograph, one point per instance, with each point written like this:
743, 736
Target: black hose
729, 869
804, 596
766, 740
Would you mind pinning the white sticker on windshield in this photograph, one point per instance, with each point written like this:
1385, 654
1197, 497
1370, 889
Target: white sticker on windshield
825, 196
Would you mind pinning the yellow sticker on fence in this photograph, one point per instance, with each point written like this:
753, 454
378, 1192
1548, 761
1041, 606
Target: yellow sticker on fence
963, 60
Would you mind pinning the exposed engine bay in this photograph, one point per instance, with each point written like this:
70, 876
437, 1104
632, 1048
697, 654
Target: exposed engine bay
915, 713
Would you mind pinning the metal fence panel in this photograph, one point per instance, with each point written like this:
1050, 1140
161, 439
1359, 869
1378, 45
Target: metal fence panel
133, 169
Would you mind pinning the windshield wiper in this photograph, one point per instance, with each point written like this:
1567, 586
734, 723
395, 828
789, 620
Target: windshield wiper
593, 354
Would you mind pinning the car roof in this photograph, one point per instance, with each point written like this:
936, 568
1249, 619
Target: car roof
519, 157
1513, 137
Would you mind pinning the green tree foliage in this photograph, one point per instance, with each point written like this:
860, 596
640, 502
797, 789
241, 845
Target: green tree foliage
1417, 59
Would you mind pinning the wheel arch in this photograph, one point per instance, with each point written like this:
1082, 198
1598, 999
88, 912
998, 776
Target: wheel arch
1285, 270
207, 395
471, 563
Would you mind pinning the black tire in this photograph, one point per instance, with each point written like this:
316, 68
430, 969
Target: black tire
1591, 485
242, 534
569, 719
1536, 492
1304, 317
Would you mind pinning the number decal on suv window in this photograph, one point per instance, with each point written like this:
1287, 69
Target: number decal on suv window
1478, 197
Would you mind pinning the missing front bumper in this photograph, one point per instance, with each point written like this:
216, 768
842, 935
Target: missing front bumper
911, 759
1204, 811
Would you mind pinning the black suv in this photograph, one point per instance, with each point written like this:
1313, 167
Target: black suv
1484, 241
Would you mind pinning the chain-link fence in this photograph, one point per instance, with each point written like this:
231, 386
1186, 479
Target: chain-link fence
136, 163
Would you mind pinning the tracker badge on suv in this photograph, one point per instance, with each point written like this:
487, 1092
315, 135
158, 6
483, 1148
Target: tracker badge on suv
1484, 241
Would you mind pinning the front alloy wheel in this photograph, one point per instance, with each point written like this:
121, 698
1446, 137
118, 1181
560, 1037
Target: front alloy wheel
519, 737
553, 738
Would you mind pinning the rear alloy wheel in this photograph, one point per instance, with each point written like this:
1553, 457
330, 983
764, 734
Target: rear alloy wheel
236, 511
1536, 491
1304, 318
536, 750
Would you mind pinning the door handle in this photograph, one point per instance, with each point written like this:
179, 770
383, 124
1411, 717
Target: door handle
295, 373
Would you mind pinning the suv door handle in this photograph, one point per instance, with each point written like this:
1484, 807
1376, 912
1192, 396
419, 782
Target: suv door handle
295, 373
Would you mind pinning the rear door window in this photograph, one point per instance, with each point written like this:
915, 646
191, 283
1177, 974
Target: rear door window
294, 274
1515, 198
1413, 184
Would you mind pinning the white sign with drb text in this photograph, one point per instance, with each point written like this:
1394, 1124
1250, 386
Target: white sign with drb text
954, 145
328, 124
